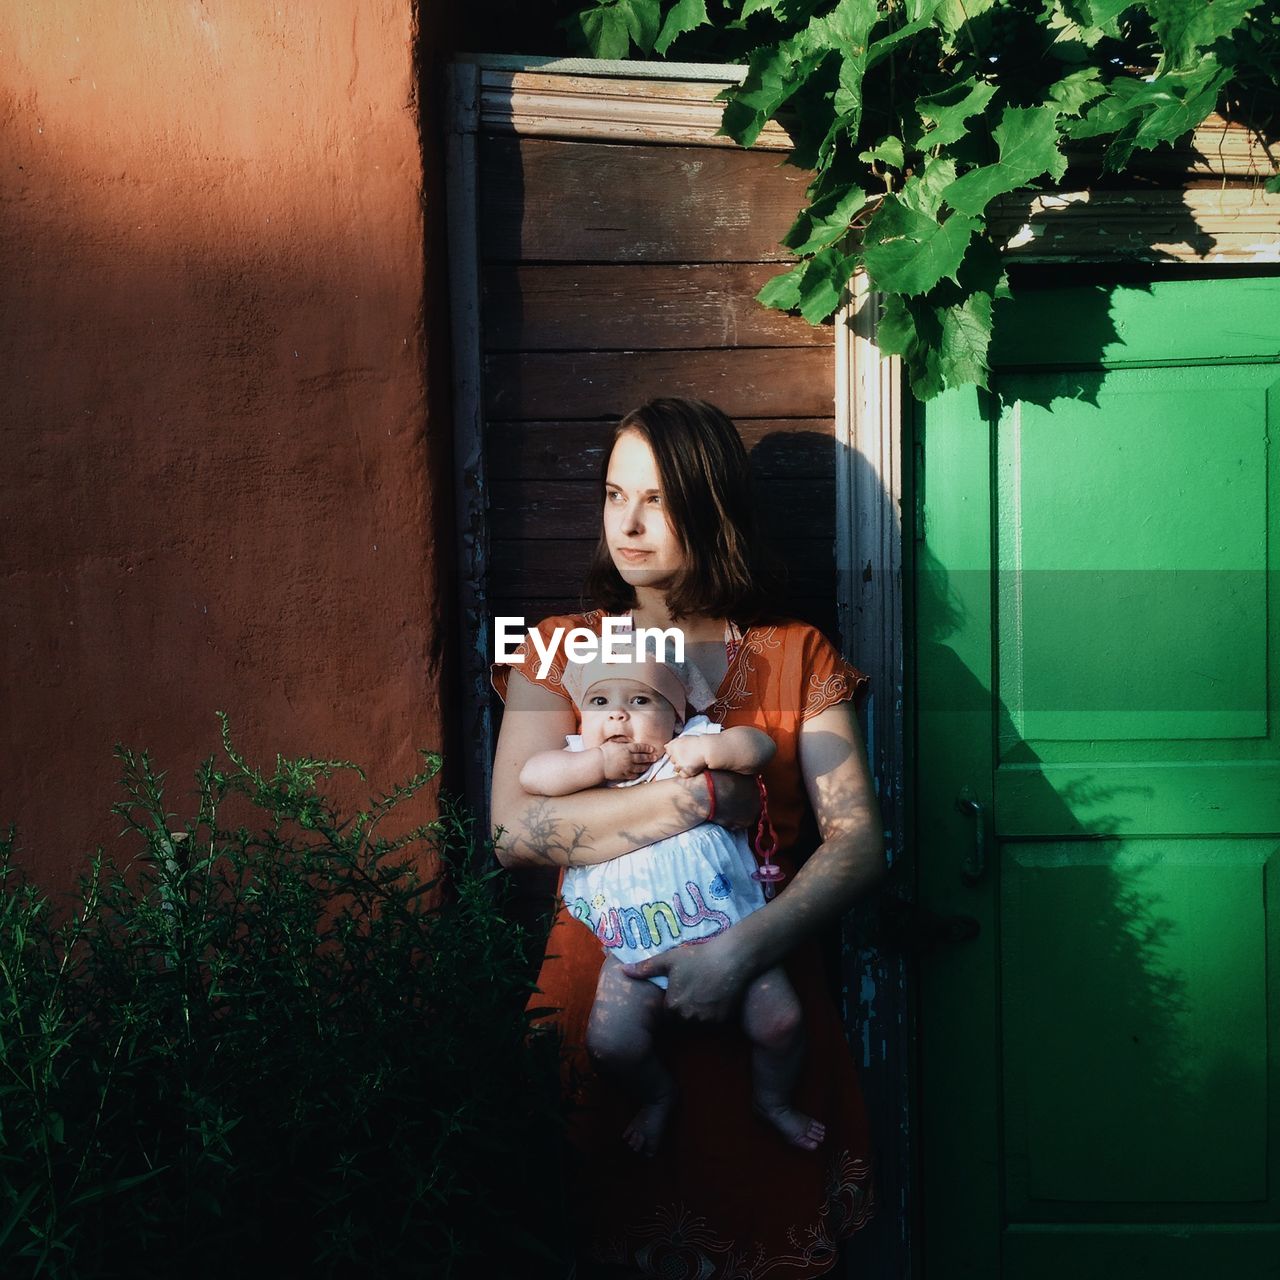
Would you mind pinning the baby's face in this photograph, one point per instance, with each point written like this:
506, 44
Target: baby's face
628, 711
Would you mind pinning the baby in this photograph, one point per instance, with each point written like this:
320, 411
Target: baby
690, 886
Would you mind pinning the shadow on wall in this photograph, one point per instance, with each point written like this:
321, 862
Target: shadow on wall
515, 27
219, 491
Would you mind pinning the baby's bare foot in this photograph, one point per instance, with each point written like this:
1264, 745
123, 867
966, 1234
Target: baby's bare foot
644, 1134
798, 1129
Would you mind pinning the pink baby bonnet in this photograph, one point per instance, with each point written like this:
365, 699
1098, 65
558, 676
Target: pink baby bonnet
647, 670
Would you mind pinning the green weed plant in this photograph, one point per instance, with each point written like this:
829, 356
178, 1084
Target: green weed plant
274, 1048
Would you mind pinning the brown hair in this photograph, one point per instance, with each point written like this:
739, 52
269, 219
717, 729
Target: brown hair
706, 488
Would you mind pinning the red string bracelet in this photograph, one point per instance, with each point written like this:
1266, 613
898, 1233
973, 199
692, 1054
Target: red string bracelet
711, 796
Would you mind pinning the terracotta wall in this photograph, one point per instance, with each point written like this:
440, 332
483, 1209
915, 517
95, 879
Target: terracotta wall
222, 461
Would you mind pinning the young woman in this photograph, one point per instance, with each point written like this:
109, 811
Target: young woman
725, 1196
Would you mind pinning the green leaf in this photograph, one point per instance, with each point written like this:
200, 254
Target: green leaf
908, 252
847, 100
848, 26
114, 1186
844, 32
787, 11
888, 151
923, 193
882, 48
819, 134
1180, 101
815, 287
942, 343
1028, 141
776, 72
610, 29
782, 293
1103, 13
982, 270
1272, 184
896, 330
944, 113
824, 221
1123, 100
823, 283
909, 327
1074, 92
952, 15
1078, 25
1145, 113
966, 336
643, 18
686, 15
1185, 28
604, 31
19, 1208
773, 75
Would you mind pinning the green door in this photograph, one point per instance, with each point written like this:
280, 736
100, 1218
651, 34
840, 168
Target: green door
1098, 784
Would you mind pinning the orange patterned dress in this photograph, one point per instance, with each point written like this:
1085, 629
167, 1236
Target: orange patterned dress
726, 1198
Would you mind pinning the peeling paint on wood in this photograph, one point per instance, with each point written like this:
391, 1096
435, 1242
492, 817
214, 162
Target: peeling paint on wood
1228, 225
536, 104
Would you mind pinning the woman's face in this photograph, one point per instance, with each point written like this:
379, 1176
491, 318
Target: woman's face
642, 543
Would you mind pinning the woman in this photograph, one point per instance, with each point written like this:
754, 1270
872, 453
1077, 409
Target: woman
724, 1196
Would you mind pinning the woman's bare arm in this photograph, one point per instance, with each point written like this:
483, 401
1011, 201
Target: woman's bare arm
588, 826
706, 981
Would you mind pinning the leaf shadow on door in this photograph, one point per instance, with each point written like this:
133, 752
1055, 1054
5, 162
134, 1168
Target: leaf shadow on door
1108, 1064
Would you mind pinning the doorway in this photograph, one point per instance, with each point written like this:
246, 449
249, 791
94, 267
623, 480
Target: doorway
1097, 786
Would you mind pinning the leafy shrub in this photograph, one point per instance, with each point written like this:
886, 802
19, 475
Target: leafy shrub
278, 1050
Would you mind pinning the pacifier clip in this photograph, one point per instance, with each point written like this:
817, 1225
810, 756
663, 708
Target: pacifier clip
765, 845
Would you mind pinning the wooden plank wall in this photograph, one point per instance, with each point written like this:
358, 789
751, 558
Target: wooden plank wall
612, 273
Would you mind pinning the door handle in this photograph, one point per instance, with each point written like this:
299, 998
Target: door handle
972, 866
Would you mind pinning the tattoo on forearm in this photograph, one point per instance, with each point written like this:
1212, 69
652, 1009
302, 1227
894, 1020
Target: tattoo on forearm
552, 841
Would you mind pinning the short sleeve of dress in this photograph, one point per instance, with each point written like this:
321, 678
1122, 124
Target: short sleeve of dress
828, 678
528, 661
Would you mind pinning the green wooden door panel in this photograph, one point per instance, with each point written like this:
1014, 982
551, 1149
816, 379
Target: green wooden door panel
1133, 1035
1098, 667
1134, 1253
1128, 532
1212, 797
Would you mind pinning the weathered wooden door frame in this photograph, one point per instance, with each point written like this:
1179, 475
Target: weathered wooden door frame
668, 102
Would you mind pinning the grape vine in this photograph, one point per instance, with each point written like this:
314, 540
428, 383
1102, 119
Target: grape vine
915, 115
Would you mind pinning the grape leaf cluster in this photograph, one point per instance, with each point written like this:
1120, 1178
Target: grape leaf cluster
914, 116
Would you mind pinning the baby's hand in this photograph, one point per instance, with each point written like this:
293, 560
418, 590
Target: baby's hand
687, 755
626, 760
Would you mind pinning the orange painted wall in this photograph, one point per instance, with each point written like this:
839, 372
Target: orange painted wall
223, 465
